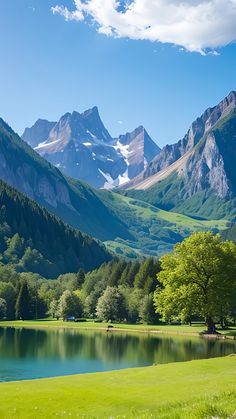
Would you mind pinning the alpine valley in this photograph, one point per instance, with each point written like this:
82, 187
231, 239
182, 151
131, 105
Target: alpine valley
156, 197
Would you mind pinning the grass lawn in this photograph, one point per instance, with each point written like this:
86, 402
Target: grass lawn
196, 389
194, 330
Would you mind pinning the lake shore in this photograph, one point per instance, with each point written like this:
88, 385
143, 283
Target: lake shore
181, 330
195, 389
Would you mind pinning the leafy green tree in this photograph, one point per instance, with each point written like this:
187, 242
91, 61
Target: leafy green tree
33, 261
111, 305
8, 293
90, 304
198, 278
15, 249
69, 305
3, 309
23, 303
54, 309
134, 298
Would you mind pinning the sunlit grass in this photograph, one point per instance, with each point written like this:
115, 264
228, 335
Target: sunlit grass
196, 389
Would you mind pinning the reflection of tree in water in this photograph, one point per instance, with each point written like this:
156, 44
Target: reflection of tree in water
21, 343
107, 347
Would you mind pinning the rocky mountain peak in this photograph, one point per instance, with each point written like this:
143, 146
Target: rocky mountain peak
38, 133
199, 128
80, 146
94, 124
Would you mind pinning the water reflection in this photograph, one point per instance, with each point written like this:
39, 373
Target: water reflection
26, 353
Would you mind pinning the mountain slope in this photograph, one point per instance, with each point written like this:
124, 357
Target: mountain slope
154, 231
128, 226
81, 147
199, 130
76, 203
33, 239
203, 181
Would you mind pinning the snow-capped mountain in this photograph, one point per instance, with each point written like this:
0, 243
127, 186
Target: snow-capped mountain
81, 147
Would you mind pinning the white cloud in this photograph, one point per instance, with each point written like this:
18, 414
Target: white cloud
196, 25
76, 14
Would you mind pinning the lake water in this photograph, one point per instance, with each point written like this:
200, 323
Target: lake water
28, 354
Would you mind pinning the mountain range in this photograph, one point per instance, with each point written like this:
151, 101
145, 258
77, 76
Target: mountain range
81, 147
186, 187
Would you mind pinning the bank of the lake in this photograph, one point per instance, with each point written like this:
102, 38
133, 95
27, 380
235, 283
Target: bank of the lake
196, 389
195, 330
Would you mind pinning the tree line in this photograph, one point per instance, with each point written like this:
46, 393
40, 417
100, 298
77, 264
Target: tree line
117, 291
196, 281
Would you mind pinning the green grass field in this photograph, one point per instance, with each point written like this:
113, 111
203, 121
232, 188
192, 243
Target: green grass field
196, 389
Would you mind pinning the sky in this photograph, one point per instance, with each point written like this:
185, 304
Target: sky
151, 62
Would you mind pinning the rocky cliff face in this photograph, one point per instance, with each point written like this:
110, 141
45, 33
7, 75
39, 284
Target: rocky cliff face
38, 132
197, 131
204, 170
81, 147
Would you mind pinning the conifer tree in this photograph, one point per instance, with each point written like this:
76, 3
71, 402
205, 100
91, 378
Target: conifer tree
23, 307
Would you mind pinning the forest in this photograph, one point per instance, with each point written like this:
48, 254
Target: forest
197, 281
33, 240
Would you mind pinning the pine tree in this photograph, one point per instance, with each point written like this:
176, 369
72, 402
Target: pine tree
23, 306
80, 278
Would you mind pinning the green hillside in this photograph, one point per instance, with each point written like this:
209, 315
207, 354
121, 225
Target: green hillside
34, 240
154, 231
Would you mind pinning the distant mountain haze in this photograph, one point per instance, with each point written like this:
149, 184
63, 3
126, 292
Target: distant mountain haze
81, 147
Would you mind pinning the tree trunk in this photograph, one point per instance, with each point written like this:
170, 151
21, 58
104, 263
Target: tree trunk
211, 329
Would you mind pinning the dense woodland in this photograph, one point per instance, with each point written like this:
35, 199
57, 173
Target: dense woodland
196, 281
126, 289
33, 240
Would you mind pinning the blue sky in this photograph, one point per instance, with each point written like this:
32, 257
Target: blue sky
50, 66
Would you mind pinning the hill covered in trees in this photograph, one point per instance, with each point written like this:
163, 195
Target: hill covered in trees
34, 240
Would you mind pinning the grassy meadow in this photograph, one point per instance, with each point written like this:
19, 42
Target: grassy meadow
196, 389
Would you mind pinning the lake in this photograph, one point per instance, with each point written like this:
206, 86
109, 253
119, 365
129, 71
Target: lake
29, 353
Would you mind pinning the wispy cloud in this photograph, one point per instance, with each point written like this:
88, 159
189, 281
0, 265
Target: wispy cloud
76, 14
196, 25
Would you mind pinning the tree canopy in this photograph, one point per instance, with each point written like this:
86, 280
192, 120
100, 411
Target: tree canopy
198, 278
